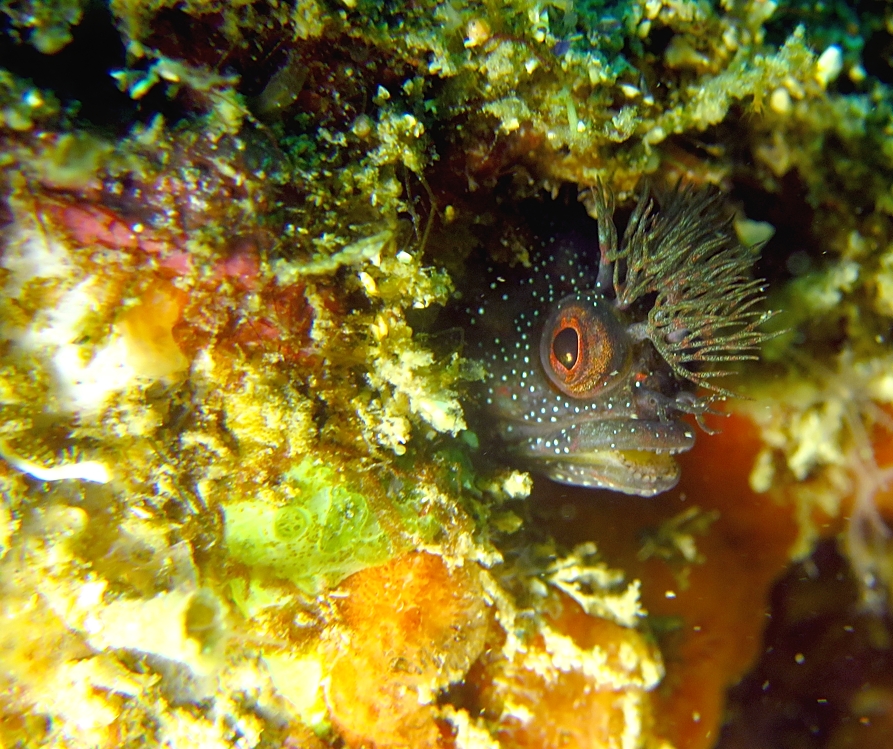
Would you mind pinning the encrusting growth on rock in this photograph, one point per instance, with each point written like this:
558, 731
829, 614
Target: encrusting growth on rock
252, 491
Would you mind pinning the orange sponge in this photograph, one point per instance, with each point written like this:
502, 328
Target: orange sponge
407, 629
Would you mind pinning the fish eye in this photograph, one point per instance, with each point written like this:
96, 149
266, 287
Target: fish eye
584, 349
566, 347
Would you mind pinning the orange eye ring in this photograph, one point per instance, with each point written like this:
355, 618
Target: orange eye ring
584, 347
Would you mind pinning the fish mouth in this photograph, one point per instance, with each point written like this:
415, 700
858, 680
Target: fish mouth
631, 456
636, 472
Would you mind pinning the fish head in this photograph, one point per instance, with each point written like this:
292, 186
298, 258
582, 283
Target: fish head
572, 392
581, 401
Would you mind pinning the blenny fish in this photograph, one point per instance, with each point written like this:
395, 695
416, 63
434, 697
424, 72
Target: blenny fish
598, 350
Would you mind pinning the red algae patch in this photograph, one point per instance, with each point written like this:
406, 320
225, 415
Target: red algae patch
406, 629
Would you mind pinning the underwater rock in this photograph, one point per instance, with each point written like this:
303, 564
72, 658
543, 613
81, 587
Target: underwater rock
838, 691
241, 503
581, 682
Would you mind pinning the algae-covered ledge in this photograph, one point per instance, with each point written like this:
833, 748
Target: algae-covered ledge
245, 500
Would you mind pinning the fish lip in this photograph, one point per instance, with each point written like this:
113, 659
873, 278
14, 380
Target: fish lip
582, 437
615, 472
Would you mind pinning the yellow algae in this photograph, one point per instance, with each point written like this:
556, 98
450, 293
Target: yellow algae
147, 329
299, 680
51, 671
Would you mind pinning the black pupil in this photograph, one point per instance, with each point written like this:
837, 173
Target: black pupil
565, 345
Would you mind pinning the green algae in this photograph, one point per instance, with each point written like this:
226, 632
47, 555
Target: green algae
75, 160
326, 529
324, 533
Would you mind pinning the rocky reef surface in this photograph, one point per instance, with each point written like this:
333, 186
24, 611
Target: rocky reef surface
248, 499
